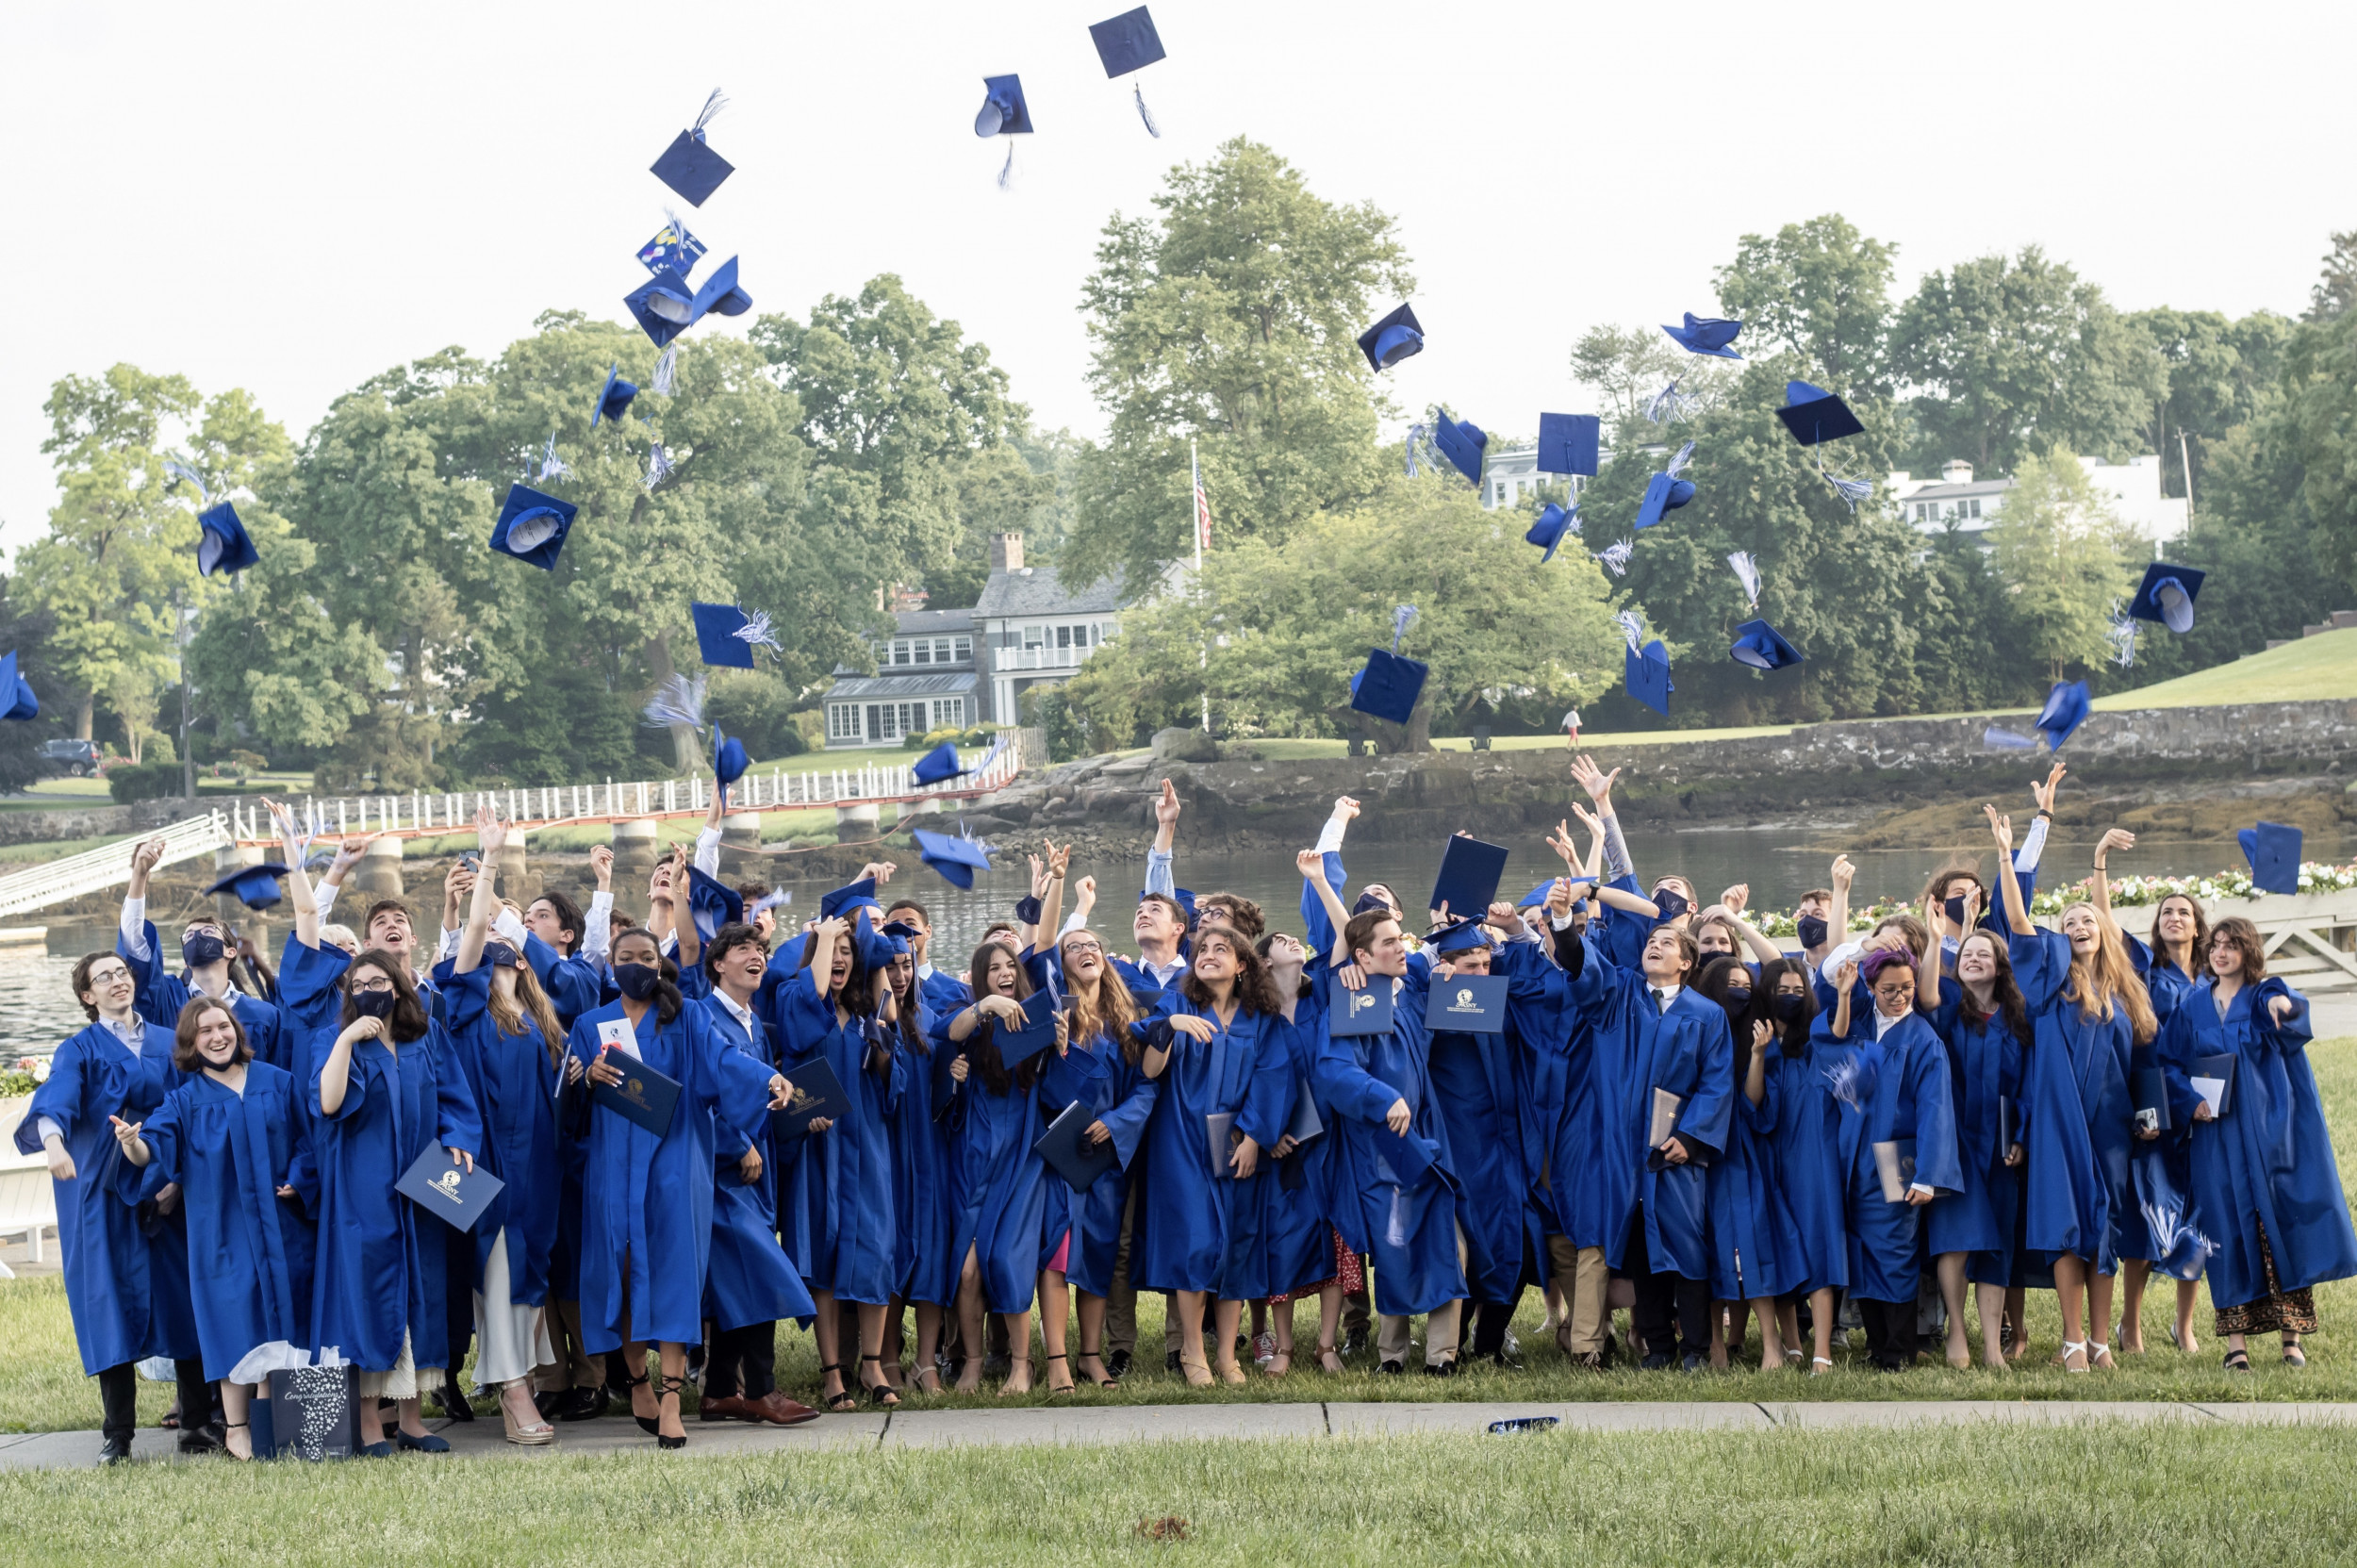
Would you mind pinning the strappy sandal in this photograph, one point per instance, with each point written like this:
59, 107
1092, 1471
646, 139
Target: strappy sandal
1330, 1359
2080, 1347
2099, 1355
1815, 1361
651, 1425
841, 1403
2295, 1357
917, 1378
881, 1391
2238, 1361
668, 1387
237, 1427
1068, 1384
1197, 1374
1278, 1365
1108, 1380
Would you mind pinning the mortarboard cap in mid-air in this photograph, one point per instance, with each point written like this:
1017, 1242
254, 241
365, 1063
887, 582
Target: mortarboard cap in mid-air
719, 295
938, 765
1392, 338
716, 635
17, 692
2166, 595
2273, 850
1646, 675
671, 250
848, 897
255, 886
1389, 685
614, 397
2066, 709
222, 544
1706, 335
1569, 443
713, 904
955, 858
1547, 532
1461, 442
1127, 43
689, 165
664, 306
1814, 415
532, 526
1762, 647
1663, 493
729, 761
1003, 112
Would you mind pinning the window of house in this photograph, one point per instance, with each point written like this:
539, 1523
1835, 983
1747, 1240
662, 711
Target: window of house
924, 650
949, 711
1976, 508
1064, 637
941, 649
842, 721
962, 650
1034, 636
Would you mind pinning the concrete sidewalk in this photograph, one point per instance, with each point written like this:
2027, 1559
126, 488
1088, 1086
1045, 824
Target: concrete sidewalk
920, 1429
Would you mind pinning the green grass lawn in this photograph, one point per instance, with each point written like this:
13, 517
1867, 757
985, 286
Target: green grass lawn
2095, 1495
2318, 669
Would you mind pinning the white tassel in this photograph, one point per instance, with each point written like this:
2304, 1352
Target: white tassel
176, 469
1631, 628
678, 701
667, 369
1145, 114
1677, 464
713, 106
1615, 558
658, 466
1747, 573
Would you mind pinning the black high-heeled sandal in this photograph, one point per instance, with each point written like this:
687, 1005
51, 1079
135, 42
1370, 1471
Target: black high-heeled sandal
1069, 1386
667, 1386
1108, 1380
838, 1404
651, 1425
237, 1427
880, 1391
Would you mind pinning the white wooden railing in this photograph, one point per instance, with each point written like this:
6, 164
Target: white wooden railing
109, 865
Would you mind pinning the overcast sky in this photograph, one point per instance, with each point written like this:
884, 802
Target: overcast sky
291, 198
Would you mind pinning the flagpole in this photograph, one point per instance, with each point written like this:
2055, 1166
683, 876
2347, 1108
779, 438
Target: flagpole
1194, 521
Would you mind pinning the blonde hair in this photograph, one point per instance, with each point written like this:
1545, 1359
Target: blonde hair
343, 936
507, 1013
1111, 1012
2096, 980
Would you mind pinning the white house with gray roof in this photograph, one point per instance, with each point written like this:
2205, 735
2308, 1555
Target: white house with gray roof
2133, 488
1031, 629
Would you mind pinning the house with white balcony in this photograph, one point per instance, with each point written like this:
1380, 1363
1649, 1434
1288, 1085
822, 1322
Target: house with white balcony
925, 679
1970, 506
1032, 629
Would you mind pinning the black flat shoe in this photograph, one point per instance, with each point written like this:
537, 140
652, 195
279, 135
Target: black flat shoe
1118, 1363
426, 1444
201, 1440
116, 1450
1391, 1369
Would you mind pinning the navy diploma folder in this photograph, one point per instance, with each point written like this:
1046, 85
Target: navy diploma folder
451, 1192
1468, 1004
1367, 1011
1066, 1150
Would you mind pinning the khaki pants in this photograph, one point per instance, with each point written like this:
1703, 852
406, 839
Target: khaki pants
1439, 1327
573, 1367
1584, 1279
1121, 1300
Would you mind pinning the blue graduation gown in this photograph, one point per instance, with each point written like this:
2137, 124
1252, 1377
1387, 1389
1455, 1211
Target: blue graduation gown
574, 985
2079, 1116
1098, 1073
1195, 1222
835, 1205
1587, 1193
2268, 1161
1905, 1086
1688, 1051
160, 997
381, 1265
1293, 1229
748, 1280
515, 1093
647, 1201
1986, 1061
2160, 1169
1820, 1123
125, 1309
943, 992
922, 1268
998, 1187
250, 1252
1407, 1224
1487, 1094
1754, 1247
310, 999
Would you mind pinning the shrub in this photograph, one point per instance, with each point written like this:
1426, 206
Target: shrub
757, 709
146, 780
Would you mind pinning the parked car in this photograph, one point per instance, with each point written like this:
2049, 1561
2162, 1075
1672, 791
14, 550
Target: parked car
78, 758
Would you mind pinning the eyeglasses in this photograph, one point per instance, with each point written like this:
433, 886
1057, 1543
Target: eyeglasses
1077, 948
108, 977
374, 983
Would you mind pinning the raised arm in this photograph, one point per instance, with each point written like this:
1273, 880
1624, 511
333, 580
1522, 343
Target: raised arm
1598, 784
1311, 865
708, 841
2099, 885
1160, 877
491, 835
134, 920
1927, 966
593, 947
306, 904
1732, 904
1051, 901
2009, 886
1837, 918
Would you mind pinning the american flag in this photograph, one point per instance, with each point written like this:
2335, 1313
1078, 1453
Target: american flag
1202, 514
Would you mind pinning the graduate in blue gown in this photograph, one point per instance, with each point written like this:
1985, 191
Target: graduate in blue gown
2170, 966
507, 1039
750, 1282
2088, 1012
922, 1271
647, 1201
382, 1091
1395, 1188
566, 947
1296, 1226
229, 1135
1755, 1254
998, 1197
205, 949
1220, 1047
1985, 1023
2265, 1184
835, 1204
125, 1308
1900, 1084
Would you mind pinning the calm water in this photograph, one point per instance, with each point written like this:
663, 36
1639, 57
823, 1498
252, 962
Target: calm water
37, 1009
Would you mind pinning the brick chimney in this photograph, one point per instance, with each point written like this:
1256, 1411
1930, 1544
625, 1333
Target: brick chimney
1006, 552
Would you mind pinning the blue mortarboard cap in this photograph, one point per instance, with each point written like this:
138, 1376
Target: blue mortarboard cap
1537, 896
256, 886
222, 544
1127, 43
937, 764
1548, 531
957, 859
689, 165
713, 902
1392, 338
664, 306
1461, 442
719, 295
1458, 937
848, 897
1762, 647
717, 626
17, 692
2273, 850
1004, 112
1706, 335
1389, 685
671, 250
1568, 443
1647, 676
614, 397
2166, 595
1663, 494
873, 948
532, 526
1814, 415
728, 757
2066, 709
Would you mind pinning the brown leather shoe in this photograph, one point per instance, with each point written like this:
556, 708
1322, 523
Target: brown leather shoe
727, 1407
774, 1408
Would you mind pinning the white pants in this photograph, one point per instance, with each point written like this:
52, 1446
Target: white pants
510, 1340
400, 1381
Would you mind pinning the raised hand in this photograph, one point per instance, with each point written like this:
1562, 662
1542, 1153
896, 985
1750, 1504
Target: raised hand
1597, 782
1999, 829
1084, 896
1039, 878
1310, 864
143, 859
2113, 838
1345, 807
601, 865
1845, 978
348, 853
1737, 899
2044, 794
1843, 873
1166, 806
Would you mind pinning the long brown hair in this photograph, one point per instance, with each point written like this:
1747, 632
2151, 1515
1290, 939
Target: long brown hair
1254, 991
508, 1013
2245, 935
2107, 977
2003, 989
982, 1047
409, 1019
1112, 1011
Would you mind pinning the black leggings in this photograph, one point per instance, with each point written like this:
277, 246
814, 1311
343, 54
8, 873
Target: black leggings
119, 1398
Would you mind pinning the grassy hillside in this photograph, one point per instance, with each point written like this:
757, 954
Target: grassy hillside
2316, 669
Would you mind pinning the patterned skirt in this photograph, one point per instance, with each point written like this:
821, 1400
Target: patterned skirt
1347, 1269
2278, 1312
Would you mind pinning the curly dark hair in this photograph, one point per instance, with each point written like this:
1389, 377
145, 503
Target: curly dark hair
409, 1019
1254, 991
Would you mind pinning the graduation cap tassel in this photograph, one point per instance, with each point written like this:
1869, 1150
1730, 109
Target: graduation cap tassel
2123, 638
713, 106
1145, 114
667, 369
1631, 628
756, 632
1006, 170
551, 466
1401, 615
678, 701
176, 469
1615, 558
1416, 433
1747, 573
658, 466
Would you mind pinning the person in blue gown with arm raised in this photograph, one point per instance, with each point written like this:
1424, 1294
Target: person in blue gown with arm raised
2266, 1186
229, 1135
1755, 1255
1296, 1227
922, 1273
205, 949
2175, 960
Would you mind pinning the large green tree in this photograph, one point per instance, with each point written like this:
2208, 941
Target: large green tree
2009, 355
2320, 431
2218, 372
2064, 558
1230, 320
1820, 290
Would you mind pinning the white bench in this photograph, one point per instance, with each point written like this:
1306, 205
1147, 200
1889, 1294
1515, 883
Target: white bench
28, 1204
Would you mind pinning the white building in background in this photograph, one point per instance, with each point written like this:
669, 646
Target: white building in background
2133, 488
1512, 473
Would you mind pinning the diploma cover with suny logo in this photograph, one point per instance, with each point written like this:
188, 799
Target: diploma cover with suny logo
452, 1193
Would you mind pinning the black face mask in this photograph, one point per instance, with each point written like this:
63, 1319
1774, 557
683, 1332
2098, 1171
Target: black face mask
1739, 997
1671, 904
374, 1004
1788, 1005
1811, 931
637, 980
202, 949
1955, 910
